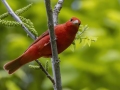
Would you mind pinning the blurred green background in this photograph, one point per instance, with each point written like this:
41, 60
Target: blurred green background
87, 68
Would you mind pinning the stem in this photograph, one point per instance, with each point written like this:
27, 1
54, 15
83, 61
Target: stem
55, 60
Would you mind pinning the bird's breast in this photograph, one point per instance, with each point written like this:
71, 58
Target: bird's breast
64, 40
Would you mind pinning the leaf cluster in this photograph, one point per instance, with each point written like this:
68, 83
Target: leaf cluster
25, 21
86, 40
38, 67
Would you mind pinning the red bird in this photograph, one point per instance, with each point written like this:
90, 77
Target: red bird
65, 34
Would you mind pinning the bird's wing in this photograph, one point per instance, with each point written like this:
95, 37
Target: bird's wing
43, 35
40, 37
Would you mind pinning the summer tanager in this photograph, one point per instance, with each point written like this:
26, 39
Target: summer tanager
41, 47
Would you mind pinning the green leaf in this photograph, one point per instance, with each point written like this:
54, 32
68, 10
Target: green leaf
82, 29
80, 40
34, 67
89, 42
18, 12
22, 10
85, 42
73, 46
9, 23
4, 15
47, 65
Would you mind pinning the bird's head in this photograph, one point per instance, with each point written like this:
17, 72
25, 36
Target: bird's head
73, 24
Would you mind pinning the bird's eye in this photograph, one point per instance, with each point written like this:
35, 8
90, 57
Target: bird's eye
71, 19
79, 24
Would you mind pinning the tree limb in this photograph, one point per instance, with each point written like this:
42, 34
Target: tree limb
55, 61
56, 11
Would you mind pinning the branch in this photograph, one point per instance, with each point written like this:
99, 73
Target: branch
56, 11
55, 60
11, 12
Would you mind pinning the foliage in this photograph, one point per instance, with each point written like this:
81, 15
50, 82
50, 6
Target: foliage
85, 40
87, 68
25, 21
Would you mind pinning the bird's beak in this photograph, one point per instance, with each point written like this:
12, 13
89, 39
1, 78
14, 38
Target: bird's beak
76, 22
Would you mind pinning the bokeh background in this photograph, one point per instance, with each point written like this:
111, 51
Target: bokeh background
87, 68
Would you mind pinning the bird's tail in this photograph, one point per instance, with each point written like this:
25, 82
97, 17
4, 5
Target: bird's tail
12, 66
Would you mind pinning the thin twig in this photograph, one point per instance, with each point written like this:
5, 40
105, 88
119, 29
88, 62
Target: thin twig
84, 29
11, 12
46, 73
